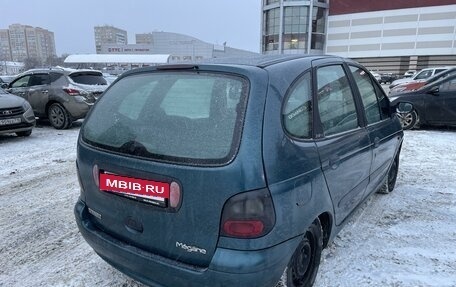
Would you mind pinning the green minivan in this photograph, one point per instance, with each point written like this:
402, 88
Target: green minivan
232, 172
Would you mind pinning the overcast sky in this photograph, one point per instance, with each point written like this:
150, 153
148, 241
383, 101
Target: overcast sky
236, 22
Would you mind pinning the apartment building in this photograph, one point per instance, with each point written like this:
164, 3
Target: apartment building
109, 35
20, 42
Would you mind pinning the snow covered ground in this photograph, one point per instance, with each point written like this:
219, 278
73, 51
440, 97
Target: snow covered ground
407, 238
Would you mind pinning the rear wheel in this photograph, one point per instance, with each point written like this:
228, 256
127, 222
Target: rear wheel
59, 117
391, 178
303, 266
408, 120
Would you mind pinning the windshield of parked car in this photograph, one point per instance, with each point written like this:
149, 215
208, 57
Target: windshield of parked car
173, 116
423, 75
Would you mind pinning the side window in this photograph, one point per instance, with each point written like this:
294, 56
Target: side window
336, 103
368, 95
39, 79
55, 76
423, 75
20, 83
297, 111
439, 71
448, 86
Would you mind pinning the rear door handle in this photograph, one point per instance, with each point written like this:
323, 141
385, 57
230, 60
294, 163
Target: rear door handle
334, 162
376, 142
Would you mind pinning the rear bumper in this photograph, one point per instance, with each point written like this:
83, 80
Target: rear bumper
227, 268
77, 107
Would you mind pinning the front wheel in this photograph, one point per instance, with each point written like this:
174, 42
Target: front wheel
59, 117
303, 266
408, 120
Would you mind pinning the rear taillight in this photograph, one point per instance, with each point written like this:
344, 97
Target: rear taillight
174, 194
96, 175
82, 195
72, 92
248, 215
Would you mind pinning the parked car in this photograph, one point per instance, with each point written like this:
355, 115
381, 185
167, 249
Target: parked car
434, 104
232, 173
16, 115
376, 76
60, 95
421, 75
109, 78
5, 80
415, 85
409, 73
387, 78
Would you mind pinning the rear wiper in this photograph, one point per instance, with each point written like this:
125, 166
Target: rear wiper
134, 147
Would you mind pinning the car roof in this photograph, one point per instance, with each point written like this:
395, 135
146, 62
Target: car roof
66, 71
263, 61
260, 61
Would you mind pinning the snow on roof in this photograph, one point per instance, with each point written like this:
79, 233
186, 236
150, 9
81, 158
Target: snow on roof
116, 58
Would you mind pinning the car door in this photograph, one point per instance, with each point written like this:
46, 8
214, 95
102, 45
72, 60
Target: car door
20, 87
38, 92
343, 143
439, 101
383, 129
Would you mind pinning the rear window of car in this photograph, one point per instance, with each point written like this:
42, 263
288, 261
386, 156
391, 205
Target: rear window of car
88, 79
187, 117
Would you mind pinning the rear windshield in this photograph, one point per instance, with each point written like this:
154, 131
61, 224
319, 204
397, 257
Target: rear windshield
190, 117
88, 79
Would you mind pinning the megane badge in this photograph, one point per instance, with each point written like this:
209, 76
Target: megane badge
190, 248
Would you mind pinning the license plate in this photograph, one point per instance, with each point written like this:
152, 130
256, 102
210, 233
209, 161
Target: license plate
10, 121
149, 191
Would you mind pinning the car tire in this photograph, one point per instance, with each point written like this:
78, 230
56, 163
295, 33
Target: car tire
59, 117
303, 266
24, 133
390, 181
408, 120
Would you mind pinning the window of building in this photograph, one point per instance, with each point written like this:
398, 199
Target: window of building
271, 26
295, 27
318, 28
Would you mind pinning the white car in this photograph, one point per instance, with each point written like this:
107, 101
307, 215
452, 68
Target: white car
421, 75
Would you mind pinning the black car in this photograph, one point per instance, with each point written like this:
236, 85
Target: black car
387, 78
434, 104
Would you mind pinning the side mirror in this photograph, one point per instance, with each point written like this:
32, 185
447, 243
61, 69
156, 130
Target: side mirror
434, 91
4, 85
404, 108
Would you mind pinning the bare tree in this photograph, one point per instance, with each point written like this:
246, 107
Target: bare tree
30, 63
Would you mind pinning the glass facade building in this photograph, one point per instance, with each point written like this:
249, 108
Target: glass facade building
294, 26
